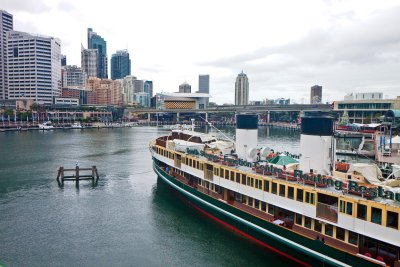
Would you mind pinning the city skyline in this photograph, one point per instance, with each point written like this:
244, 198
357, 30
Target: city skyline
339, 45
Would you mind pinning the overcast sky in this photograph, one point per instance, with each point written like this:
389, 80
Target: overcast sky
283, 46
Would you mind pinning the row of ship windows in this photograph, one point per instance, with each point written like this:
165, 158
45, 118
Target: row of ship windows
300, 220
360, 211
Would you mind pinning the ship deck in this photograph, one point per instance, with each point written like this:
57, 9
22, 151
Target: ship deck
298, 181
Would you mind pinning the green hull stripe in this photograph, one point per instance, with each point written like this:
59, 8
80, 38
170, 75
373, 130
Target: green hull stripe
290, 243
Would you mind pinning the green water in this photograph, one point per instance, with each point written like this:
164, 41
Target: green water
129, 219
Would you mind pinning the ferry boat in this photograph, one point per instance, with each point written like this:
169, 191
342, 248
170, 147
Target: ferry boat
317, 211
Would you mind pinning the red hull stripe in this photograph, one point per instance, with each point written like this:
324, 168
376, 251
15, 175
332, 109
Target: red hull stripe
249, 236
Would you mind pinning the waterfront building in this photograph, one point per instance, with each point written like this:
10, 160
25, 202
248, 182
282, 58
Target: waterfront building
89, 62
75, 93
185, 88
73, 77
66, 101
40, 57
63, 60
181, 100
120, 65
95, 41
366, 111
104, 92
242, 89
6, 24
316, 94
364, 96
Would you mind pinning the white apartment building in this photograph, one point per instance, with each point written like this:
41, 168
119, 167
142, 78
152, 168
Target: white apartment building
6, 24
73, 77
89, 61
33, 67
127, 85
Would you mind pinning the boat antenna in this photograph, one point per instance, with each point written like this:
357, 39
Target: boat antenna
218, 130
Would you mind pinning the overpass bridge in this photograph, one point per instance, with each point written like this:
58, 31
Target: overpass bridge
261, 110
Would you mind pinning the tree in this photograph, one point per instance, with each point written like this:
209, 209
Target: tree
9, 112
35, 106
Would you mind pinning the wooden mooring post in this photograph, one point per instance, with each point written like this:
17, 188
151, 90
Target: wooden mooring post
77, 175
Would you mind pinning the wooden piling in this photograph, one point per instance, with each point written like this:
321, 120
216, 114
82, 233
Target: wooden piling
77, 174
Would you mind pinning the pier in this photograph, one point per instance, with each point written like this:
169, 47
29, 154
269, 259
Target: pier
77, 174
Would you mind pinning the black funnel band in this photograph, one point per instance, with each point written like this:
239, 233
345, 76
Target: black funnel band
246, 121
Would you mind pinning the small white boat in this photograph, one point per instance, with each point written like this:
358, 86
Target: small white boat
76, 125
131, 124
46, 126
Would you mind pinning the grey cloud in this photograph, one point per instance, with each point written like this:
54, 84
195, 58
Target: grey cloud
66, 6
363, 55
30, 6
364, 42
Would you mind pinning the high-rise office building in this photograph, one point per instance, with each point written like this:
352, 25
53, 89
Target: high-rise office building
148, 88
89, 61
40, 56
95, 41
242, 89
6, 24
185, 88
73, 77
316, 94
63, 60
204, 83
120, 65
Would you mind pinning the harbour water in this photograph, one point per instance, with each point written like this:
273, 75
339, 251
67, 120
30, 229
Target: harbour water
129, 219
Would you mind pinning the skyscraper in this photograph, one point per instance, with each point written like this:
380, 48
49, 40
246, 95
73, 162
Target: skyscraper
89, 61
204, 83
242, 89
148, 88
95, 41
316, 94
40, 57
185, 88
120, 65
6, 24
63, 60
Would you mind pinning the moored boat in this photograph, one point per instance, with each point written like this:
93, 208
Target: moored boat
76, 125
46, 126
317, 209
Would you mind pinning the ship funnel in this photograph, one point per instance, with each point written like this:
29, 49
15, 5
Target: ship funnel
246, 134
317, 144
